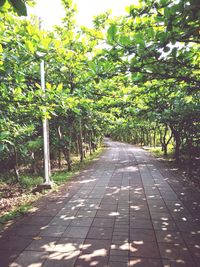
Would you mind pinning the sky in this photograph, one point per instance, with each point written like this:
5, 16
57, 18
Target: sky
52, 11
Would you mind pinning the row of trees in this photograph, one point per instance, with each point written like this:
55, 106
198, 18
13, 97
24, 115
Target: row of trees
134, 78
156, 49
75, 124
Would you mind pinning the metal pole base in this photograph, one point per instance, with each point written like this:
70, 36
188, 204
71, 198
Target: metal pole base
45, 186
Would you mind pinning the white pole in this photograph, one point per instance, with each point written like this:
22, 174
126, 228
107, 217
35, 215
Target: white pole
45, 132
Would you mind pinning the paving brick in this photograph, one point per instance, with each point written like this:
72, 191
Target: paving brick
67, 244
100, 233
8, 256
125, 209
103, 222
144, 235
143, 262
42, 244
15, 243
174, 252
53, 231
144, 249
169, 236
30, 258
61, 259
76, 231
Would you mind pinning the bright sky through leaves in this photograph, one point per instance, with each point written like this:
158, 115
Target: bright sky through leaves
52, 11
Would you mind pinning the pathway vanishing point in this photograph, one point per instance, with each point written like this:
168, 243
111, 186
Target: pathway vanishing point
125, 209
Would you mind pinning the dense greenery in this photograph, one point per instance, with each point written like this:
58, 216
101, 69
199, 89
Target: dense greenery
134, 78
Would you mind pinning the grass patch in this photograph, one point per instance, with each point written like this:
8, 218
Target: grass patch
21, 210
15, 213
157, 152
30, 181
60, 177
27, 182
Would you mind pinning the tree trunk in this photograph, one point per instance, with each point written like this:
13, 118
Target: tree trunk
59, 157
16, 166
80, 142
90, 142
190, 162
154, 138
164, 141
65, 150
34, 163
177, 145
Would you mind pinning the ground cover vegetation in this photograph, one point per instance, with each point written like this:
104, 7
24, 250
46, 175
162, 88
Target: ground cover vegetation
134, 78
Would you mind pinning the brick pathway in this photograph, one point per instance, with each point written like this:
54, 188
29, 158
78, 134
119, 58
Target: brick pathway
126, 209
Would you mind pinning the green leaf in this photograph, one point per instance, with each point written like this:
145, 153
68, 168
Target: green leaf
112, 30
19, 7
48, 85
2, 2
60, 87
1, 48
125, 40
4, 135
139, 39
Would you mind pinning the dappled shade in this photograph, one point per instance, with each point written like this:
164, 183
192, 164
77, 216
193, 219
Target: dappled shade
122, 214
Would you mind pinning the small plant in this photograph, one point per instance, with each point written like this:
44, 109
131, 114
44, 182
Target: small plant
30, 181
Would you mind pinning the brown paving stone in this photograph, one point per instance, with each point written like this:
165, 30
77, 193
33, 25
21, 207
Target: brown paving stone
68, 244
158, 208
179, 263
15, 243
76, 232
67, 212
141, 223
110, 200
117, 250
8, 256
195, 252
119, 258
35, 220
91, 260
120, 232
42, 244
81, 222
100, 233
123, 188
91, 245
142, 262
165, 225
140, 215
191, 238
53, 231
103, 222
46, 212
169, 237
62, 220
142, 235
94, 253
61, 259
26, 230
174, 252
182, 216
107, 214
138, 207
161, 216
186, 226
117, 263
118, 226
30, 258
85, 214
108, 207
144, 249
